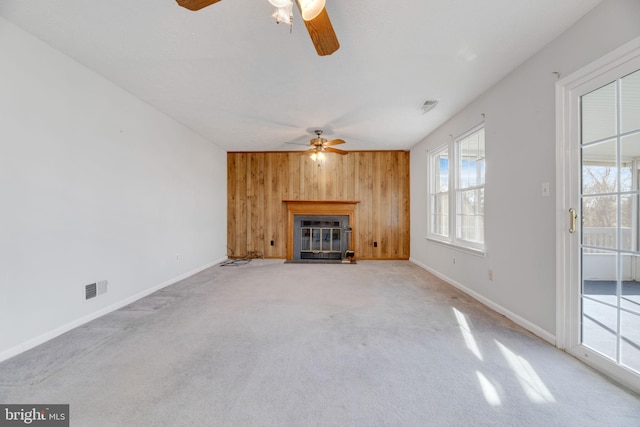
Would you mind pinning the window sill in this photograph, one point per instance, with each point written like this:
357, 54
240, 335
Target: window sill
473, 251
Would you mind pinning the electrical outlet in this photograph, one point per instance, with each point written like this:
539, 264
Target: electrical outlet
375, 244
272, 243
177, 257
454, 260
490, 274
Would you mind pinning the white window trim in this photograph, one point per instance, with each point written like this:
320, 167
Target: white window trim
451, 240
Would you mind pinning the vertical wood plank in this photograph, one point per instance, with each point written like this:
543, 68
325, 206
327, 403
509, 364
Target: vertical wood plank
271, 186
233, 192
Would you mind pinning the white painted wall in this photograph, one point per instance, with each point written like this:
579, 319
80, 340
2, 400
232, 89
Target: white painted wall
94, 185
520, 145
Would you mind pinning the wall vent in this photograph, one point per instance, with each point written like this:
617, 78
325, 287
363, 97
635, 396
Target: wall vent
90, 291
428, 105
95, 289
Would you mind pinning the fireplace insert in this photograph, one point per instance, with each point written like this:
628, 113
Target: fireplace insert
321, 237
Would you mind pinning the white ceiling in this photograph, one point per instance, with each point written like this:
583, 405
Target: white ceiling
233, 75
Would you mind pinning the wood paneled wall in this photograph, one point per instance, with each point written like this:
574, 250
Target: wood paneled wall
258, 182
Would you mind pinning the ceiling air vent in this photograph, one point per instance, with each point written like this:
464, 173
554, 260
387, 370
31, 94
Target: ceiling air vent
428, 105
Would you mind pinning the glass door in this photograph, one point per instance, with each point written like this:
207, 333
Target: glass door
609, 252
320, 239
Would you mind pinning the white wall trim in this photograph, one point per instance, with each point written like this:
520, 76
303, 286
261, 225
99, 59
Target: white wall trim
29, 344
529, 326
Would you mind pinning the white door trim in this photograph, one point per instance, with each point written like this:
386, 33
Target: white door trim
567, 182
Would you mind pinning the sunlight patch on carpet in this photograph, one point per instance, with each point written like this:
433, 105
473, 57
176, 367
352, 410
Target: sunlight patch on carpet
469, 340
489, 390
530, 381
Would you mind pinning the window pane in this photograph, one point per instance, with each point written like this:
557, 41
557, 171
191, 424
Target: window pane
440, 215
599, 217
439, 207
627, 203
599, 327
441, 172
470, 219
630, 331
599, 171
599, 114
631, 294
471, 162
630, 102
629, 151
599, 275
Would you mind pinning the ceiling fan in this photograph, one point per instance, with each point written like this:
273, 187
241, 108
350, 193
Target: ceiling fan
320, 146
313, 13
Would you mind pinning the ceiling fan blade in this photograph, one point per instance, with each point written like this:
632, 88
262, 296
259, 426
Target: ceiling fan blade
334, 142
335, 150
322, 35
196, 4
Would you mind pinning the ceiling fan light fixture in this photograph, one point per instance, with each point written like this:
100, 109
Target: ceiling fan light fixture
309, 9
317, 155
284, 14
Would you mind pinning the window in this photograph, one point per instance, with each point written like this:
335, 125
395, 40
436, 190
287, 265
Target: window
440, 192
456, 192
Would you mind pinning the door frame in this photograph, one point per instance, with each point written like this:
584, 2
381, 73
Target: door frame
567, 188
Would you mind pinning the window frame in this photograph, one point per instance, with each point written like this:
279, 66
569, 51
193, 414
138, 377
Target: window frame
454, 191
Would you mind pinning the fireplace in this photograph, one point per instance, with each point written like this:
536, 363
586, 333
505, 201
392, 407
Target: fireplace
320, 237
320, 230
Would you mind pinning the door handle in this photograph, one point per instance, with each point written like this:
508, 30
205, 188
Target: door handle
573, 216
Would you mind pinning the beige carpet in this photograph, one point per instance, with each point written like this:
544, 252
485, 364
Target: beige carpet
274, 344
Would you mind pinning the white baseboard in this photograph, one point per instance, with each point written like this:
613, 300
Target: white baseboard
531, 327
33, 342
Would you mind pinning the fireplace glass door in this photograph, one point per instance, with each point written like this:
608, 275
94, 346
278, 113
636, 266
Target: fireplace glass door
320, 239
